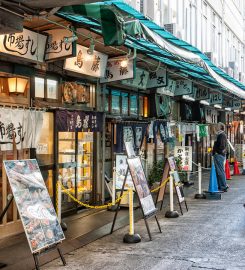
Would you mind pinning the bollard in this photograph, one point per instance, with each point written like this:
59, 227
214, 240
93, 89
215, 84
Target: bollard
171, 213
131, 237
113, 207
200, 195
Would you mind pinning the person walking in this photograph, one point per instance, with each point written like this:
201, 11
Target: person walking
219, 156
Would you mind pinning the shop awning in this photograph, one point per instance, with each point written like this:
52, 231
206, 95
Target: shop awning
150, 39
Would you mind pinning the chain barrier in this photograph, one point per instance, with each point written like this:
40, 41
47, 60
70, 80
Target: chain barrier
125, 193
201, 166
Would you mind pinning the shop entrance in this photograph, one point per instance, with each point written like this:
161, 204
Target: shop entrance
75, 158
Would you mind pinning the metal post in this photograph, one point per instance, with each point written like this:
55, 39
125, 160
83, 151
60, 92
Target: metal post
171, 213
200, 195
113, 193
131, 237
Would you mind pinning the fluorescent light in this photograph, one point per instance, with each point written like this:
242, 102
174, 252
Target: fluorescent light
204, 102
186, 97
236, 111
217, 106
228, 109
242, 112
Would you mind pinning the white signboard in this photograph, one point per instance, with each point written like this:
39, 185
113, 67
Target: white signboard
157, 78
121, 169
140, 80
168, 90
239, 152
116, 72
183, 87
200, 93
56, 47
185, 154
27, 44
216, 98
237, 104
88, 64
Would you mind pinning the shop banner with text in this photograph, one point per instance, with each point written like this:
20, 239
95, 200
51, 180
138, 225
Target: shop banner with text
34, 205
22, 127
139, 81
79, 121
27, 44
184, 153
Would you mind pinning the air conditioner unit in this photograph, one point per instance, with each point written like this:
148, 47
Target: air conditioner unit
174, 29
213, 57
229, 71
242, 77
235, 68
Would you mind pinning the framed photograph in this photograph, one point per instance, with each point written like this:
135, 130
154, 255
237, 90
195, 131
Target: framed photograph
83, 93
141, 185
35, 207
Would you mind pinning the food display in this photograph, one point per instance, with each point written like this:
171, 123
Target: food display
34, 204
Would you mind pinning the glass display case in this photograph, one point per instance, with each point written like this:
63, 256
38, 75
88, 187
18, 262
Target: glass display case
75, 166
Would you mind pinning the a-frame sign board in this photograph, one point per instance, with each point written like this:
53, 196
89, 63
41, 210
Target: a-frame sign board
170, 166
142, 190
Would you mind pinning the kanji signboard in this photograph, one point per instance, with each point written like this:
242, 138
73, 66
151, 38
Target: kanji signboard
184, 153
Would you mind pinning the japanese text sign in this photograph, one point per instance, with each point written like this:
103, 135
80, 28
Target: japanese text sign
183, 87
200, 93
116, 72
168, 90
237, 104
216, 98
140, 80
56, 47
88, 64
157, 78
27, 44
184, 153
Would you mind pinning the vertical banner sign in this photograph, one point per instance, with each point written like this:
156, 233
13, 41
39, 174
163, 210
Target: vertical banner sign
168, 90
183, 87
56, 47
116, 72
216, 98
157, 78
141, 185
36, 210
88, 64
140, 80
27, 44
184, 153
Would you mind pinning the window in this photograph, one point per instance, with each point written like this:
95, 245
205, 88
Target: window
115, 102
46, 88
124, 103
52, 89
39, 87
133, 105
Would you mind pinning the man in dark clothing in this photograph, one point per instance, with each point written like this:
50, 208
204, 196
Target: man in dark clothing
219, 155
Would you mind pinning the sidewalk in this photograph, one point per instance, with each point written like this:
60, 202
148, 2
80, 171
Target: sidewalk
210, 236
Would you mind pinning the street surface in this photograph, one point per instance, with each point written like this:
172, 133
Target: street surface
210, 236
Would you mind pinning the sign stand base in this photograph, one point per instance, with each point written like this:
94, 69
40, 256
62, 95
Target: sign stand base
63, 226
2, 265
171, 214
213, 195
131, 238
35, 256
200, 196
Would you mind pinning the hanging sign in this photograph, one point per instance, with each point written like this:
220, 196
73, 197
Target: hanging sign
116, 71
27, 44
157, 78
141, 185
183, 87
88, 64
216, 98
200, 93
237, 104
140, 80
121, 170
168, 90
227, 103
35, 207
75, 93
184, 153
56, 47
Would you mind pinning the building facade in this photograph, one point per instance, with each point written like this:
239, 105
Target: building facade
214, 27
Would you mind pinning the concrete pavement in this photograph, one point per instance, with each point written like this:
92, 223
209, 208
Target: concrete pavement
210, 236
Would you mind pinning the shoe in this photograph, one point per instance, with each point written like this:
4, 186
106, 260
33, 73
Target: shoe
225, 189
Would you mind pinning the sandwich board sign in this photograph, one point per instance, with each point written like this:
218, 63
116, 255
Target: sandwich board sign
36, 210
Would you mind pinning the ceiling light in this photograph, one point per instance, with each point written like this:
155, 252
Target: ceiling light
217, 106
204, 102
186, 97
228, 109
236, 111
90, 50
70, 39
124, 63
17, 85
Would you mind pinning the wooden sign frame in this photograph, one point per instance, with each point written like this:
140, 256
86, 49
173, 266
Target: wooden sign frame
178, 188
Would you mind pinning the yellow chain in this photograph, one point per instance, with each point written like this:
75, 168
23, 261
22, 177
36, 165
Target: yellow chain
125, 193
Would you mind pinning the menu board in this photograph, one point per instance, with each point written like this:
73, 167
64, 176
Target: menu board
36, 210
184, 153
121, 170
141, 185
